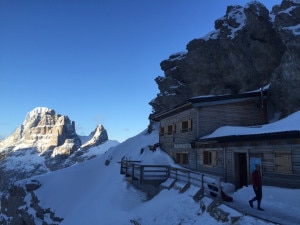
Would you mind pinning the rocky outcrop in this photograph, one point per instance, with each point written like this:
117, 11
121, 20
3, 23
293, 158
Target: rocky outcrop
249, 48
20, 205
98, 136
285, 81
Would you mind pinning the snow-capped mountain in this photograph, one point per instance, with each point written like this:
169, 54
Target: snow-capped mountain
46, 141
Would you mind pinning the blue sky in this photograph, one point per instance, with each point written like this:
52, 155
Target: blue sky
94, 60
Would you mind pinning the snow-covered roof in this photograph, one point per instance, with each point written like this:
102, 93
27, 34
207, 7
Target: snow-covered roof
289, 125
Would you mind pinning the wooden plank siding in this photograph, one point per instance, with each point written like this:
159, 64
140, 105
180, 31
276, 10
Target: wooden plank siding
267, 150
204, 121
280, 157
216, 170
234, 114
178, 141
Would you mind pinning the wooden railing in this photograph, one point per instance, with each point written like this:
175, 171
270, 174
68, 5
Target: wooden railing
207, 183
143, 173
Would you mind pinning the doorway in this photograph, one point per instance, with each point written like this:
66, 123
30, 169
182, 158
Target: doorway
240, 168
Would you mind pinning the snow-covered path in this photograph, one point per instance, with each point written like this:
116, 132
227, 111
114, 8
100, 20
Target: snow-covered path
277, 207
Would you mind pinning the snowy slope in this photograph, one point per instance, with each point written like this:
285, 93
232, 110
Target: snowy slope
93, 193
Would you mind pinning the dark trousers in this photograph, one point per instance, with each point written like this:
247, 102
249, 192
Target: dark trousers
258, 196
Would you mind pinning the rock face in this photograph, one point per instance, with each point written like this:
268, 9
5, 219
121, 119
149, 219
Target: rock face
98, 136
21, 206
44, 129
285, 81
249, 48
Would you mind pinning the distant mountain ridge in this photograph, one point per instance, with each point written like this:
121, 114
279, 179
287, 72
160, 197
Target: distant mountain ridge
45, 141
249, 49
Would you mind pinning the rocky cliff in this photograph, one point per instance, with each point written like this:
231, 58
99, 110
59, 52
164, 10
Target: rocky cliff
98, 136
249, 48
44, 142
45, 130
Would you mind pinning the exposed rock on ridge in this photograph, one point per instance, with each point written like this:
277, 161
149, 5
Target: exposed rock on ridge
99, 135
248, 49
20, 205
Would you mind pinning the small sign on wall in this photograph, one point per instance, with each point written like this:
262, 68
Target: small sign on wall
185, 145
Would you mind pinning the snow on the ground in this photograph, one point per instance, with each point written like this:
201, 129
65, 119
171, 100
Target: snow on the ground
281, 205
94, 193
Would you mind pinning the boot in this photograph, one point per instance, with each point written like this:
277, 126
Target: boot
251, 203
258, 206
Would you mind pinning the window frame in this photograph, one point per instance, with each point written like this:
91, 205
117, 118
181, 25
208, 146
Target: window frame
171, 129
182, 158
186, 126
210, 158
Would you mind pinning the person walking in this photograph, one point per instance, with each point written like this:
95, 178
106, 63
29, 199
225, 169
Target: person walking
257, 187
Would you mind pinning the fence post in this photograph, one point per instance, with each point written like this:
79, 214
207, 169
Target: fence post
202, 183
141, 174
219, 190
132, 173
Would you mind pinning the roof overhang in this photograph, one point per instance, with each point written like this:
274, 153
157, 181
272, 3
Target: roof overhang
250, 137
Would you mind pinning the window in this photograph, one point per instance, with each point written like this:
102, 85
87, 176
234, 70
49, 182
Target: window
182, 158
171, 129
210, 158
283, 162
186, 126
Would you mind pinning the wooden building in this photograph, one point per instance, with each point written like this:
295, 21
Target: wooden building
185, 134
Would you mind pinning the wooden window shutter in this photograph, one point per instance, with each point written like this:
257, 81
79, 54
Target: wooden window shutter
174, 129
190, 125
283, 162
214, 159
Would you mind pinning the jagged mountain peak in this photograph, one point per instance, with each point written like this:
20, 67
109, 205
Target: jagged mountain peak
44, 130
38, 111
98, 136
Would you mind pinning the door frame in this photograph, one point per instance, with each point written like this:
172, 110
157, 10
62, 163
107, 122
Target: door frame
240, 181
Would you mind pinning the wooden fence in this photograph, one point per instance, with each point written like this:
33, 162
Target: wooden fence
207, 184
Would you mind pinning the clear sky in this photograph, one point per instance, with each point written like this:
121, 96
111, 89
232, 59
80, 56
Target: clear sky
94, 60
